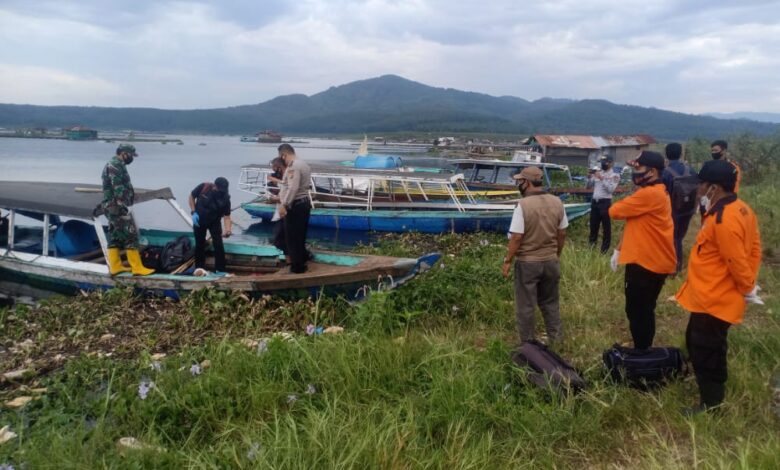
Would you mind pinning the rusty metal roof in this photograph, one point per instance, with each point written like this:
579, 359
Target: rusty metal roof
628, 140
592, 141
576, 141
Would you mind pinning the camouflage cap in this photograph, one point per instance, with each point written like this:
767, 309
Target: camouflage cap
126, 148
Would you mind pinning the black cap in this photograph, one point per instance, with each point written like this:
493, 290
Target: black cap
651, 159
718, 172
606, 158
221, 183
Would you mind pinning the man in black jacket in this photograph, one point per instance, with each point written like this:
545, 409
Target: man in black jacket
210, 202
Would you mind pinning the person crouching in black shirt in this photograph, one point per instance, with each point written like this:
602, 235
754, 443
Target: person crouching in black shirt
210, 202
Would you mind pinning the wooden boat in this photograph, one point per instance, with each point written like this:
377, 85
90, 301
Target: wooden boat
264, 137
68, 257
389, 201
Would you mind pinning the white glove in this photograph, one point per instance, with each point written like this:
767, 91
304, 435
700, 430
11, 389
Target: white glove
613, 262
753, 298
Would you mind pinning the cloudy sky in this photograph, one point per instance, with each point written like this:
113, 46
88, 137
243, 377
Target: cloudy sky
691, 56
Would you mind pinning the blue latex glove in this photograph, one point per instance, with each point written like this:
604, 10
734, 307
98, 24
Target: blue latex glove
195, 219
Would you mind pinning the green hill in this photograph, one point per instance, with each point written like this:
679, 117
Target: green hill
390, 103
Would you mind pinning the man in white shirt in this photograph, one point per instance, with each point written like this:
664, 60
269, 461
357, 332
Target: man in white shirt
537, 234
604, 181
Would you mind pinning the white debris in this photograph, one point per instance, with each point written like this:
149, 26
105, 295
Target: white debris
19, 402
16, 374
6, 434
130, 443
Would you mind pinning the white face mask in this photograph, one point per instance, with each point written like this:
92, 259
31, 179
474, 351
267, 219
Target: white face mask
705, 200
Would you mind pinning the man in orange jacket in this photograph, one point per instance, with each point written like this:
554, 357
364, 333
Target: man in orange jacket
647, 247
722, 273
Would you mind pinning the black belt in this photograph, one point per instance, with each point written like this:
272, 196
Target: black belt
602, 199
299, 200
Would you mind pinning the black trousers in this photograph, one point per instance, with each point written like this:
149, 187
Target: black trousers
279, 239
296, 224
599, 216
215, 228
642, 290
681, 224
707, 341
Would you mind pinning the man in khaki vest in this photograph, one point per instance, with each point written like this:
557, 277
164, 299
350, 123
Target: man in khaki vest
537, 234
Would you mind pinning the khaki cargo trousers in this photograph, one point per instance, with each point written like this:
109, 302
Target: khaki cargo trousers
536, 283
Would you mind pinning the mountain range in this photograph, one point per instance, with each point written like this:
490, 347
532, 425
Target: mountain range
763, 117
393, 104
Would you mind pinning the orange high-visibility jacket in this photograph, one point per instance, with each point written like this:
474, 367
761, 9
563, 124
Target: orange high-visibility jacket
724, 262
648, 238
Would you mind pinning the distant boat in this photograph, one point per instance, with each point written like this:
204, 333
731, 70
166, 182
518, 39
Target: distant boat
264, 137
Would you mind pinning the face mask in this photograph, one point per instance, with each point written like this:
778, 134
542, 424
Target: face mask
705, 200
716, 155
521, 186
638, 177
128, 159
605, 166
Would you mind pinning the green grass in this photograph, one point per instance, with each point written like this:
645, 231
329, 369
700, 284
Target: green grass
421, 378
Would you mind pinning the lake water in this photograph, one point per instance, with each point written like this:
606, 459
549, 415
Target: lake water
180, 167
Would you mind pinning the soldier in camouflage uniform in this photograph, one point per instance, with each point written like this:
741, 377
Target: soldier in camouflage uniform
117, 199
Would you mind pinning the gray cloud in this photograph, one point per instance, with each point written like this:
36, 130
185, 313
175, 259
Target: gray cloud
694, 56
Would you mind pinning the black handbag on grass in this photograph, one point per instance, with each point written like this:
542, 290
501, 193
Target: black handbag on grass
547, 369
644, 368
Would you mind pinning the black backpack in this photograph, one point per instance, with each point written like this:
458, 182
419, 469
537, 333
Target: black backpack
547, 369
644, 368
684, 189
176, 253
151, 257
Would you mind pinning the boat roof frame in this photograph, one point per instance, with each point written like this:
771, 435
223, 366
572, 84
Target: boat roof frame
339, 171
74, 200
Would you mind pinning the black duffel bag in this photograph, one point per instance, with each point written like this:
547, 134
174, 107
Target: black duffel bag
175, 253
547, 369
151, 257
644, 368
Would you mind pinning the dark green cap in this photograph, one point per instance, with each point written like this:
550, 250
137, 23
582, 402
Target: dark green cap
126, 148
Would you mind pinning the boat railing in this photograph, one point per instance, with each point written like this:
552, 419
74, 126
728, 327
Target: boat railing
362, 188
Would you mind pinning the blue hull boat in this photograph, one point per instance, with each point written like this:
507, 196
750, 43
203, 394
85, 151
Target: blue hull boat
408, 220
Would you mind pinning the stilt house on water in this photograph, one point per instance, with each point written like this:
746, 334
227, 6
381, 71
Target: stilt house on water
81, 133
584, 150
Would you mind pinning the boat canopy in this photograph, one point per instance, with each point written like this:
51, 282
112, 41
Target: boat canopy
64, 199
500, 171
470, 162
